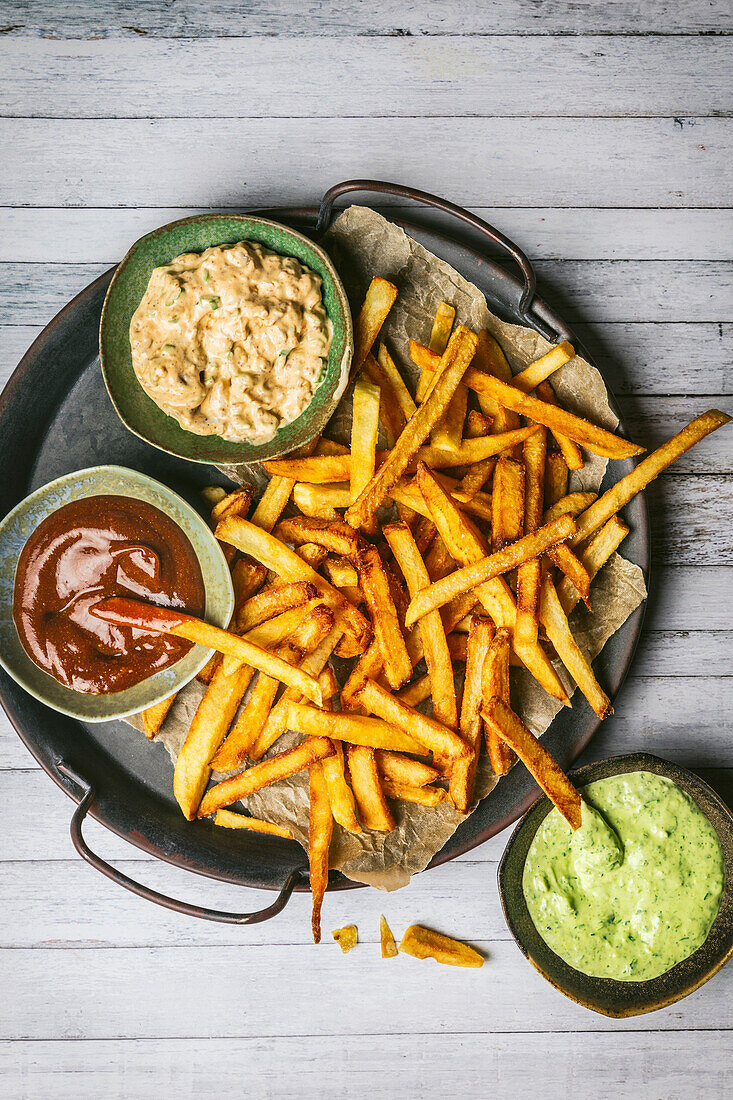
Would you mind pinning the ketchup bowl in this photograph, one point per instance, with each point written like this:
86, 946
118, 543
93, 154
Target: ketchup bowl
108, 481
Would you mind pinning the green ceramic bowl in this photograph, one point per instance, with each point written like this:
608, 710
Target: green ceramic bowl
606, 995
112, 481
139, 412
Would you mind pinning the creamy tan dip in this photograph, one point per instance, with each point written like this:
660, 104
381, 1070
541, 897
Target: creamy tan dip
231, 341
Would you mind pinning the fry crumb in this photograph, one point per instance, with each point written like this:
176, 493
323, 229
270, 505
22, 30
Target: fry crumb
346, 937
389, 947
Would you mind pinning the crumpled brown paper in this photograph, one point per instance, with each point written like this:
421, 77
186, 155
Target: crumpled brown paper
363, 244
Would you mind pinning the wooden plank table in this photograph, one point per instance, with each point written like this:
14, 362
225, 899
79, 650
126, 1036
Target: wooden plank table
599, 137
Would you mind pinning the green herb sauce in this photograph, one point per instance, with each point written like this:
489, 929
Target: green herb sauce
629, 911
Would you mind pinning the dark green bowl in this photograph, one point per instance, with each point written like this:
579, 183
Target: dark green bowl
139, 413
605, 995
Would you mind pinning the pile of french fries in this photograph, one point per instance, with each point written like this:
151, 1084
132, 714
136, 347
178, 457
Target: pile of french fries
457, 544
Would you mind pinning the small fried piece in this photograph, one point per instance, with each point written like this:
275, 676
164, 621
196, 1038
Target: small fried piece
374, 813
227, 819
495, 685
364, 433
542, 368
356, 729
420, 796
555, 622
335, 536
535, 757
507, 503
153, 717
429, 733
346, 937
386, 939
463, 772
378, 302
320, 830
340, 794
422, 943
445, 315
595, 554
399, 768
233, 504
272, 601
385, 620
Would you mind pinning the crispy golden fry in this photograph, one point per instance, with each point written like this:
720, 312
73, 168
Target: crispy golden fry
320, 829
568, 449
340, 571
282, 766
369, 666
490, 358
477, 475
529, 576
535, 757
495, 685
448, 432
456, 610
555, 622
374, 813
463, 772
475, 504
247, 578
432, 632
346, 937
574, 570
311, 554
335, 536
146, 616
507, 503
399, 768
207, 672
426, 731
417, 692
234, 504
272, 601
420, 796
317, 469
385, 620
391, 415
438, 561
542, 368
594, 555
340, 794
227, 819
464, 581
273, 554
571, 505
478, 424
400, 390
378, 302
319, 501
458, 355
271, 632
356, 729
153, 717
467, 547
649, 468
445, 315
556, 478
272, 502
423, 944
310, 633
389, 947
469, 451
364, 432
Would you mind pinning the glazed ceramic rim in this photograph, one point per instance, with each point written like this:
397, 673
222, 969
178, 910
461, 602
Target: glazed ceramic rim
643, 996
193, 519
271, 448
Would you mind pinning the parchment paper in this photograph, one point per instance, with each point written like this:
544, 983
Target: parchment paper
363, 244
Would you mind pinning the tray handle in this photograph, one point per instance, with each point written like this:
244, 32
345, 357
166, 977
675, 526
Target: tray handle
145, 892
529, 288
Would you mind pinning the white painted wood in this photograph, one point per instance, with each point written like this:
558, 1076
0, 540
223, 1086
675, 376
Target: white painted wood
190, 18
574, 162
429, 76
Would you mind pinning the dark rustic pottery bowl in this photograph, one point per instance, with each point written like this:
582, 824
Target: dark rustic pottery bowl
139, 412
606, 995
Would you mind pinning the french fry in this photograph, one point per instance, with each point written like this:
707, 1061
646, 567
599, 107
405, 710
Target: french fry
594, 555
467, 547
421, 796
478, 424
507, 503
378, 302
212, 494
272, 502
556, 478
529, 576
400, 390
571, 505
233, 504
495, 685
568, 449
340, 794
273, 554
432, 632
438, 562
464, 581
247, 578
421, 943
391, 415
340, 571
535, 757
646, 471
318, 501
346, 937
311, 554
369, 666
457, 357
146, 616
426, 731
374, 813
573, 569
153, 717
542, 368
448, 433
475, 504
555, 622
469, 451
356, 729
445, 315
282, 766
477, 475
388, 945
387, 630
364, 432
490, 358
320, 829
463, 771
335, 536
227, 819
416, 692
399, 768
272, 601
316, 469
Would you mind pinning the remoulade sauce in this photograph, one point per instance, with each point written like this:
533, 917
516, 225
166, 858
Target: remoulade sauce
84, 552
